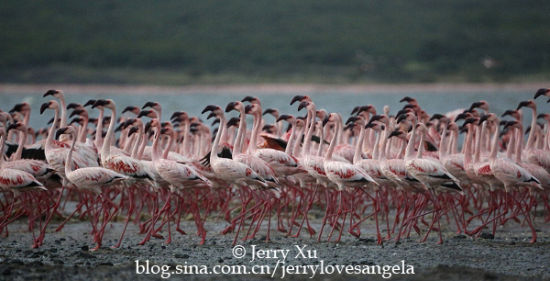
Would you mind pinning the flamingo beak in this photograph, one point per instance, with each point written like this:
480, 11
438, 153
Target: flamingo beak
522, 104
541, 92
44, 107
148, 104
50, 93
60, 132
302, 105
248, 99
90, 102
248, 109
230, 106
297, 98
209, 108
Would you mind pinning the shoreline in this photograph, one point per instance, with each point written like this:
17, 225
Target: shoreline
272, 88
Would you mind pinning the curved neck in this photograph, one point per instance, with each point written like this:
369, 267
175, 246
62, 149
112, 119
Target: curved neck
106, 148
84, 129
359, 145
63, 112
214, 151
511, 145
19, 151
480, 132
409, 151
137, 143
290, 143
420, 145
376, 150
168, 147
443, 143
238, 148
99, 129
328, 155
321, 140
531, 138
51, 132
494, 148
519, 142
307, 138
68, 159
255, 130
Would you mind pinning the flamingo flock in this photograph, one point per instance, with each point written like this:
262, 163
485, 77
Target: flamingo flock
406, 171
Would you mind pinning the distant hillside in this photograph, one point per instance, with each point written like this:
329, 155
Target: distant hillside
175, 41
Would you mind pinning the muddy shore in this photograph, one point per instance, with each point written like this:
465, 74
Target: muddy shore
66, 255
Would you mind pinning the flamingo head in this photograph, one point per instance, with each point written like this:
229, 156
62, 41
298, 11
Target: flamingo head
49, 105
180, 115
488, 117
408, 99
272, 111
398, 133
480, 104
299, 98
69, 130
18, 126
21, 107
74, 105
542, 92
79, 112
321, 114
236, 105
514, 113
100, 103
91, 121
251, 99
153, 105
528, 103
147, 113
212, 108
216, 121
132, 109
269, 128
106, 120
233, 122
452, 127
132, 130
90, 102
544, 116
286, 117
253, 109
332, 117
471, 120
78, 120
54, 93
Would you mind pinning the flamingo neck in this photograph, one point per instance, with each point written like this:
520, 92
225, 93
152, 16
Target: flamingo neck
137, 143
2, 143
19, 151
69, 158
51, 132
290, 143
255, 130
420, 145
511, 145
531, 138
480, 132
168, 146
238, 148
106, 148
330, 150
519, 143
99, 128
443, 143
186, 137
409, 151
359, 145
376, 150
494, 148
63, 112
321, 140
84, 129
214, 151
310, 129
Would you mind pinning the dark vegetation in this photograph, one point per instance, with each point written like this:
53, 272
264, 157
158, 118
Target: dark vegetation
207, 41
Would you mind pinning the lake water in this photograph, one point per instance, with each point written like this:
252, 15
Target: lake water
193, 103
